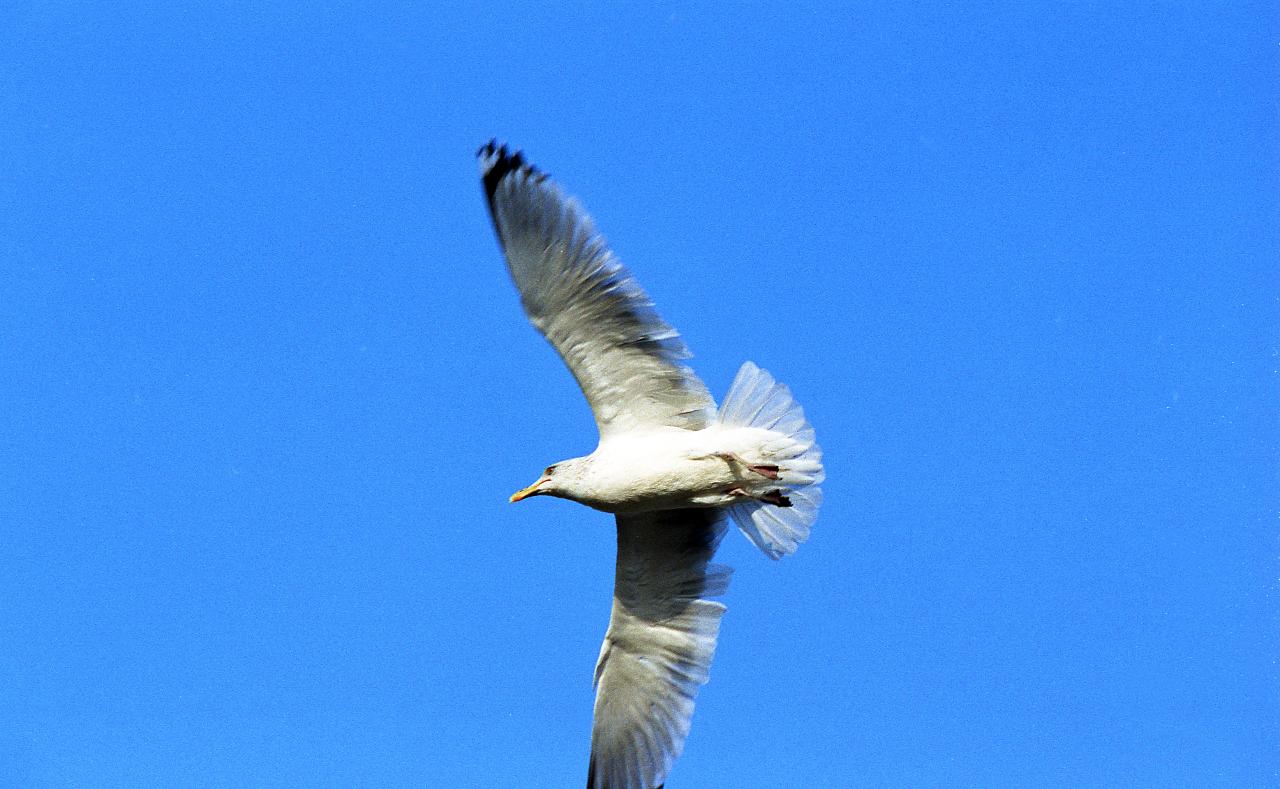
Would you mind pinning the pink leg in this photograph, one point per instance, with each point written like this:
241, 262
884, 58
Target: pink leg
766, 470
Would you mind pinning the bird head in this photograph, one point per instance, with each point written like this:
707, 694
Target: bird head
556, 480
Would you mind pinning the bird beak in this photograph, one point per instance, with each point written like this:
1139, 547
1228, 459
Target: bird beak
532, 490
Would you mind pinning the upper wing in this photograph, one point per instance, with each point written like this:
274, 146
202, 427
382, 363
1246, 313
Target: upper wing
658, 648
626, 359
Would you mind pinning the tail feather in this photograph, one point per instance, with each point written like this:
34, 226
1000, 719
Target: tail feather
756, 400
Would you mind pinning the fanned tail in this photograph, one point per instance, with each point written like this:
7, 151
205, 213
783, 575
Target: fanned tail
776, 526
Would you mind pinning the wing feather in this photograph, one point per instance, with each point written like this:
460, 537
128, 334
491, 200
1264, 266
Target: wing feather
658, 649
624, 356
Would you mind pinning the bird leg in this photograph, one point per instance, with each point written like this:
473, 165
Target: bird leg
766, 470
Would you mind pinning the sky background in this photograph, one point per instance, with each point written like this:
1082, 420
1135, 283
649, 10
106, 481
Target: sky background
265, 388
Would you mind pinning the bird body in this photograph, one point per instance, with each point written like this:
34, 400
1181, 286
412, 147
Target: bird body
670, 466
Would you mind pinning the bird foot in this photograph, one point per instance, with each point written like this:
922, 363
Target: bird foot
766, 470
776, 498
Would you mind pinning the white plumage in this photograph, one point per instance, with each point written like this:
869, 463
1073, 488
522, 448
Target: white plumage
668, 465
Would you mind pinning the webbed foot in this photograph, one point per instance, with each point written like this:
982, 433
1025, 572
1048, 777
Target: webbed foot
766, 470
775, 498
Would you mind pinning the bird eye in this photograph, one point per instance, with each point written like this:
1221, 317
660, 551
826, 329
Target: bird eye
549, 471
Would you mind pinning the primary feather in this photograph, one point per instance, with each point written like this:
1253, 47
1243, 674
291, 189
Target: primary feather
588, 306
658, 649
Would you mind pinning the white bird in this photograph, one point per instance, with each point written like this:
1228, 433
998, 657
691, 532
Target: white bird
669, 465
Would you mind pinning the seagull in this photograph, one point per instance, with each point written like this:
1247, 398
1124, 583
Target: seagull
670, 466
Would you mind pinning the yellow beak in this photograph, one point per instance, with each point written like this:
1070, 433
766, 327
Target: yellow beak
520, 495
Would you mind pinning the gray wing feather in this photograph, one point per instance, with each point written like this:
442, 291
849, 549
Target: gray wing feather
658, 649
624, 356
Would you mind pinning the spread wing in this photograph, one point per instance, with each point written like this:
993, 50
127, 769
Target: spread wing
658, 649
624, 356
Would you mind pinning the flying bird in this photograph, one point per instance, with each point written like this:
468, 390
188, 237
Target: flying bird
670, 467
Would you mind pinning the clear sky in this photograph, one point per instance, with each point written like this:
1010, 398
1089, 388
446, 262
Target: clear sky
265, 388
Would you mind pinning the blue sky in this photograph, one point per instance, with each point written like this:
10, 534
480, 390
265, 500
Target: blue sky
265, 388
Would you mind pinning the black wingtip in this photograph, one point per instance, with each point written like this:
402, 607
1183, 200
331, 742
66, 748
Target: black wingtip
496, 162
